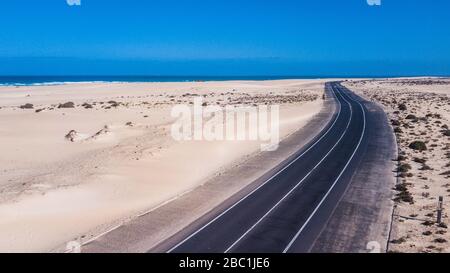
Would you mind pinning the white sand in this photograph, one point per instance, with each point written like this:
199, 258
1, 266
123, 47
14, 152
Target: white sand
53, 190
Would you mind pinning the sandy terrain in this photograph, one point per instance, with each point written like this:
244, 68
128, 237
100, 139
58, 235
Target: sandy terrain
419, 110
71, 170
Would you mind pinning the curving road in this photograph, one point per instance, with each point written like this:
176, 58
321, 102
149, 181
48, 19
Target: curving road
290, 211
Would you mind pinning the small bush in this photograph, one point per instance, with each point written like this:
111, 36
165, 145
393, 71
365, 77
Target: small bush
400, 187
67, 105
418, 146
402, 107
403, 168
419, 160
27, 106
425, 167
446, 132
440, 240
399, 241
411, 117
404, 195
395, 122
87, 105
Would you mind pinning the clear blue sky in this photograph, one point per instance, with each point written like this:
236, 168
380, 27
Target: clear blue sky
225, 37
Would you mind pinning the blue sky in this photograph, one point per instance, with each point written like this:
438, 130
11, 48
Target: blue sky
218, 37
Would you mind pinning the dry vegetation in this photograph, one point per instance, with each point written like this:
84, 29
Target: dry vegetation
419, 111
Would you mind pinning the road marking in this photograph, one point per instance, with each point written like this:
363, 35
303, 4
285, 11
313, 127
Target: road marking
260, 186
298, 184
335, 182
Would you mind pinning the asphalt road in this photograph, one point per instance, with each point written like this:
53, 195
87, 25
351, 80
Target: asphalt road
288, 212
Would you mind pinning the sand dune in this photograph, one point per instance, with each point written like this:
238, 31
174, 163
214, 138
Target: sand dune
79, 158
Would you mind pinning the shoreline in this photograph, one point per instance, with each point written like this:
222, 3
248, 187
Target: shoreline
180, 79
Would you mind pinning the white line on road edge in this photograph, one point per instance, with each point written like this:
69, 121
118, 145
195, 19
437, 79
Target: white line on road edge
260, 186
335, 182
298, 184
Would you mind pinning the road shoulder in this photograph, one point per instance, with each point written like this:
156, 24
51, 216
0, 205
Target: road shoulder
361, 222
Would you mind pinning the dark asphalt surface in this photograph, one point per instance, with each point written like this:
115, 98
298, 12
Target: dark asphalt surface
289, 211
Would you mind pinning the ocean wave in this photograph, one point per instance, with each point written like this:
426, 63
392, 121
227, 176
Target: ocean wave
53, 83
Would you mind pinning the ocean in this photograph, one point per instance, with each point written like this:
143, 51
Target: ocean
57, 80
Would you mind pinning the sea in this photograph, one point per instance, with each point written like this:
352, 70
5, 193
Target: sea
59, 80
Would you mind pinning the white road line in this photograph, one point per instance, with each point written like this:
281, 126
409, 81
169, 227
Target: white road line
332, 186
298, 184
267, 181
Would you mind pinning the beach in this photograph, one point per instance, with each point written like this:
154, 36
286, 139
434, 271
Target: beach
80, 158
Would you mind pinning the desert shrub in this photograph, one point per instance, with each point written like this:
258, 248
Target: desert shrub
27, 106
425, 167
446, 132
395, 122
418, 146
402, 107
411, 117
87, 105
400, 187
440, 240
403, 168
419, 160
67, 105
404, 195
398, 241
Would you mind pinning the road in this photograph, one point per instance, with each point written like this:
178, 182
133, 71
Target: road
288, 212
